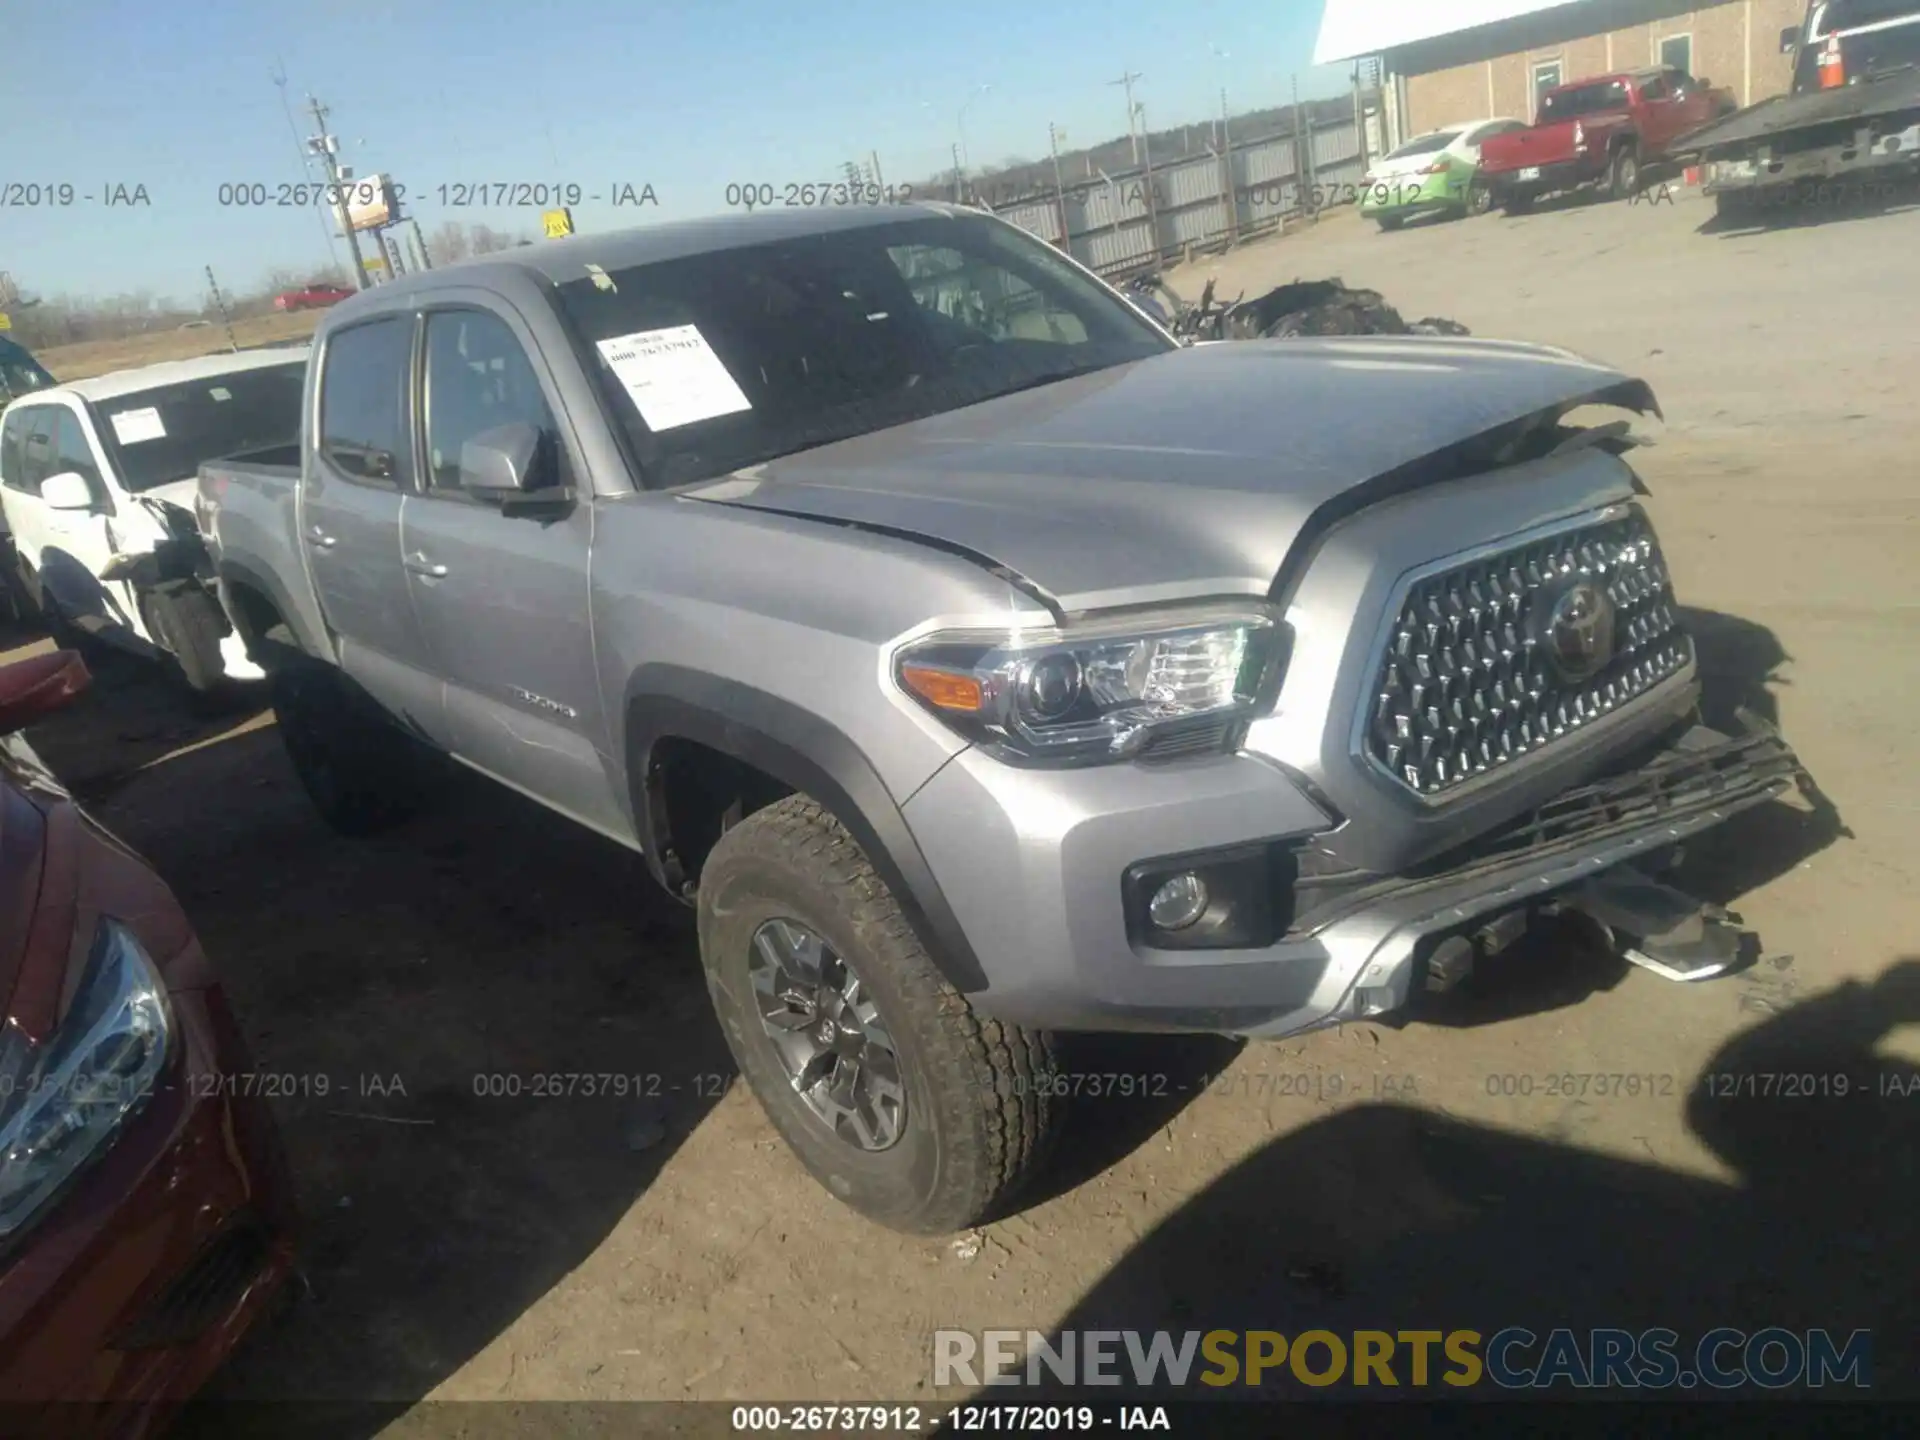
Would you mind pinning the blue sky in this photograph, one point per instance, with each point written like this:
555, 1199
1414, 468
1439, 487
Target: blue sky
177, 95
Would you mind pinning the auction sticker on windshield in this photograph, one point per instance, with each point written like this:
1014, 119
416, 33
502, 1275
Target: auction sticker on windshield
673, 376
133, 426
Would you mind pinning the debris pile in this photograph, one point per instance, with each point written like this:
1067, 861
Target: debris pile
1326, 307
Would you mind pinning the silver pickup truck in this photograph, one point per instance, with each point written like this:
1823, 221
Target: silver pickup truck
979, 661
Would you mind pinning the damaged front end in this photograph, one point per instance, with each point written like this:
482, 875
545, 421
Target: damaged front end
1602, 852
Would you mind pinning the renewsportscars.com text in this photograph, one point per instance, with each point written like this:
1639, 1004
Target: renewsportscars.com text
1514, 1358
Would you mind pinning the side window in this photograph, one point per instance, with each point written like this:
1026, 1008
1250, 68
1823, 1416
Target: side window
993, 303
37, 429
363, 401
13, 449
478, 379
1657, 88
71, 451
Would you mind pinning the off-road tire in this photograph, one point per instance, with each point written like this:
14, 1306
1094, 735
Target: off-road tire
363, 773
982, 1097
187, 626
1624, 181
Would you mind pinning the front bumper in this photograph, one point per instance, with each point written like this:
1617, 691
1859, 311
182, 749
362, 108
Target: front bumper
121, 1303
1032, 864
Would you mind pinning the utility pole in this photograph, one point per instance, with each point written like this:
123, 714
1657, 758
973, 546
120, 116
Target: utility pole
1226, 172
326, 146
1303, 154
1059, 187
873, 169
220, 304
420, 244
1153, 213
956, 172
1126, 81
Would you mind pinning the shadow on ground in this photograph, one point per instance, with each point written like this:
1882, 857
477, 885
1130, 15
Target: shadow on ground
397, 993
1390, 1218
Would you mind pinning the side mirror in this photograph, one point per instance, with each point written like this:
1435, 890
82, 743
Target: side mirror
1789, 38
509, 463
67, 491
31, 689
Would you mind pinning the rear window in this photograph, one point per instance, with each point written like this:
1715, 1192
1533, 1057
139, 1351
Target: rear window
1582, 100
1425, 145
1852, 14
715, 361
165, 434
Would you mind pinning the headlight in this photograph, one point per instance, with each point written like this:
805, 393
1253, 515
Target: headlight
1098, 691
62, 1101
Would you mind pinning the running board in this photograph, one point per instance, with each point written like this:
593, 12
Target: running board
1659, 928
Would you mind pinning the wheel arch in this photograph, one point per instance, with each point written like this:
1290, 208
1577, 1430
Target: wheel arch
700, 748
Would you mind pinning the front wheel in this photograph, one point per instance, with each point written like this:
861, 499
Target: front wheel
1391, 222
187, 625
902, 1101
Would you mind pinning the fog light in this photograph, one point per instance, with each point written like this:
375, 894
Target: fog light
1178, 903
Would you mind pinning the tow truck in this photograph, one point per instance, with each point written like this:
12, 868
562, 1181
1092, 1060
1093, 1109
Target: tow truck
1849, 127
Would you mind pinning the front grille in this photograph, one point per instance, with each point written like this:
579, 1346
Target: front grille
1471, 679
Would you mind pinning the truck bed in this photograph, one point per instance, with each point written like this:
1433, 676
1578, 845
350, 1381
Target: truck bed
1886, 95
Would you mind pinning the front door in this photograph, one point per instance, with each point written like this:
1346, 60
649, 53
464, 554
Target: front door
66, 548
358, 474
503, 599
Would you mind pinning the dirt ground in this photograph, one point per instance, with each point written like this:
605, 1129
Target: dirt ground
1462, 1171
99, 357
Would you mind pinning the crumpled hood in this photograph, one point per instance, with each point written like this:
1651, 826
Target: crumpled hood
179, 493
1190, 472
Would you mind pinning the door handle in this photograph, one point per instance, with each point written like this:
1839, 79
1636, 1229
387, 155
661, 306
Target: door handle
322, 538
420, 565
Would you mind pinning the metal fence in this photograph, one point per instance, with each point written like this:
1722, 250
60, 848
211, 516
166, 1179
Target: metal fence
1135, 220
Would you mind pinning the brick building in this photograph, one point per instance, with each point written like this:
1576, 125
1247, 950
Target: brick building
1446, 63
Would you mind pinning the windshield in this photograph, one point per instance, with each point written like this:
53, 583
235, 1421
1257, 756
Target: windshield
1582, 100
20, 373
1425, 145
167, 433
724, 359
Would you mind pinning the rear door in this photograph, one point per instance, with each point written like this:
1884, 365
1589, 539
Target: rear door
358, 472
503, 599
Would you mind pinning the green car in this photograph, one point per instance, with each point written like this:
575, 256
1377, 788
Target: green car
1433, 175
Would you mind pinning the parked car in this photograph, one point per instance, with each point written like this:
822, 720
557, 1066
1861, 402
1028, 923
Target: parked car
980, 662
1436, 174
317, 296
20, 373
1851, 119
97, 482
1600, 131
146, 1220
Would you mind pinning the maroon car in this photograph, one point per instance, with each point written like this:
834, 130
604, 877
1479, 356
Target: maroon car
145, 1215
316, 296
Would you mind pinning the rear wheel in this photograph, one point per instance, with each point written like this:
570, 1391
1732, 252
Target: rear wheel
1519, 202
362, 772
1626, 173
904, 1103
1479, 200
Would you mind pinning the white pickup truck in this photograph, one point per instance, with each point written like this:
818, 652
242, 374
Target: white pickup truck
97, 481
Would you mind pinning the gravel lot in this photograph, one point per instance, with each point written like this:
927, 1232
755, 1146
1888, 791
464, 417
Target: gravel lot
488, 1247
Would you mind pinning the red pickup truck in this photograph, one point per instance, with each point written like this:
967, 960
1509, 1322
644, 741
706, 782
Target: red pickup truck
1597, 131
